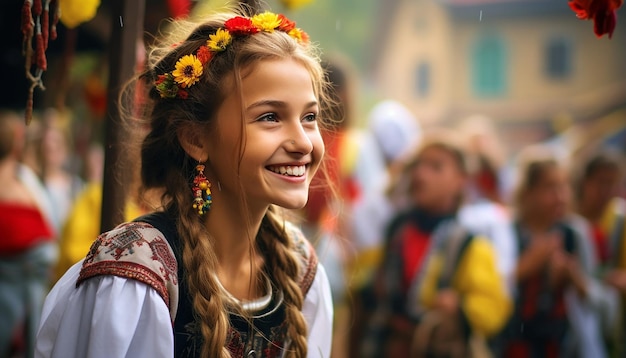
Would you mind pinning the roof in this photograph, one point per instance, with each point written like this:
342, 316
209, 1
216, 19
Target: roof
469, 8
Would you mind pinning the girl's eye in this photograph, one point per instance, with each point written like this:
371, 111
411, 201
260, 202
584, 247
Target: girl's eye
311, 117
268, 117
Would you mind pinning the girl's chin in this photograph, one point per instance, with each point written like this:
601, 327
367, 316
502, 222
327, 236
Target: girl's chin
292, 204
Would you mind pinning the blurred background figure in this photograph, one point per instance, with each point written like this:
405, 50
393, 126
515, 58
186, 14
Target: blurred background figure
599, 184
486, 156
391, 132
331, 194
27, 247
551, 265
484, 211
434, 180
59, 179
82, 224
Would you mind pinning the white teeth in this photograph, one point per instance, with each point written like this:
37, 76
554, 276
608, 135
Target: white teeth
296, 171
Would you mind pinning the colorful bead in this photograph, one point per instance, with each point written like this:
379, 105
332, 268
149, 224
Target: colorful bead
201, 186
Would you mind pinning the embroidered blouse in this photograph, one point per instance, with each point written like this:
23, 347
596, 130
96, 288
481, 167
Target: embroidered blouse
127, 298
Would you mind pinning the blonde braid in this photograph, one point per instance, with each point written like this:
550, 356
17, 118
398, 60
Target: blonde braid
283, 265
200, 264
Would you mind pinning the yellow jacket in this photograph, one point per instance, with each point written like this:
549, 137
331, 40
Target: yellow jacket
608, 222
83, 226
484, 300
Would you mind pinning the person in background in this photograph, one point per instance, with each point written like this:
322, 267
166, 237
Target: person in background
30, 172
27, 248
391, 133
484, 212
62, 185
83, 221
437, 176
332, 191
598, 190
549, 259
598, 183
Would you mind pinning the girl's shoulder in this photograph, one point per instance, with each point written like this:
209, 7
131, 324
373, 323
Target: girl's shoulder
137, 251
307, 258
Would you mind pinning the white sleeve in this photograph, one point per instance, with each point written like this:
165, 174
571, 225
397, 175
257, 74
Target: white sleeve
318, 312
106, 316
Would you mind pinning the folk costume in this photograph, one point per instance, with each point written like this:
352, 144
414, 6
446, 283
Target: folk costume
129, 298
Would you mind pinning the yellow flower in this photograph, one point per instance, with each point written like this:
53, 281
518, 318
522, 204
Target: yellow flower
188, 71
294, 4
219, 40
267, 21
300, 36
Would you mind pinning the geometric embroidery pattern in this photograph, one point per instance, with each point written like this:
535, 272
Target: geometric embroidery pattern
137, 251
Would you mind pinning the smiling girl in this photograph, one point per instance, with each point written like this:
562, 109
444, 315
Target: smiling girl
234, 112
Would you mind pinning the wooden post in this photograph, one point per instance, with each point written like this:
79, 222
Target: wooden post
127, 18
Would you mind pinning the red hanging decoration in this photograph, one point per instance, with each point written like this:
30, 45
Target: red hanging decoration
35, 23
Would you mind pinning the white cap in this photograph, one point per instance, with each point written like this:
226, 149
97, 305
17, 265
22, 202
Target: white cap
395, 128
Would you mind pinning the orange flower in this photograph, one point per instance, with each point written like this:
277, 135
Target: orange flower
240, 26
602, 12
286, 25
204, 55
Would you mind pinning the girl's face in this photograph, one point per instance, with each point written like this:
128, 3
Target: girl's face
551, 195
436, 180
282, 145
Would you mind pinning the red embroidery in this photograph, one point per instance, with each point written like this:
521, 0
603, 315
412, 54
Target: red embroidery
135, 251
235, 343
161, 252
125, 269
122, 243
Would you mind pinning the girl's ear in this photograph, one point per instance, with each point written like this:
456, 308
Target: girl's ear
191, 141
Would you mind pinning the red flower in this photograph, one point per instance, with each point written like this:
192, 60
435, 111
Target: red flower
160, 79
601, 11
204, 55
286, 25
182, 94
240, 26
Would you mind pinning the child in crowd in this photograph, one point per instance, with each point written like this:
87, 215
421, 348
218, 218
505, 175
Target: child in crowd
549, 259
437, 176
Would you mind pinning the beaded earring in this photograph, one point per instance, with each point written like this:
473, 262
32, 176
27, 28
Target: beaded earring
201, 187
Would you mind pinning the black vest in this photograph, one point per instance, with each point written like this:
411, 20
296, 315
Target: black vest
265, 335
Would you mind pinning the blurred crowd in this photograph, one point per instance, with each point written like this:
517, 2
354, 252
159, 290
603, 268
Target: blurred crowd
441, 245
432, 249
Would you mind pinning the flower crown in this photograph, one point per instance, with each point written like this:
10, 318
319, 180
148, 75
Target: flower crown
189, 68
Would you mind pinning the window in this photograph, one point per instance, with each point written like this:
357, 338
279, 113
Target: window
489, 67
558, 58
422, 79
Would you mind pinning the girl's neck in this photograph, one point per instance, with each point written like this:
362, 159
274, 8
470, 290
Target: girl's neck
234, 232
